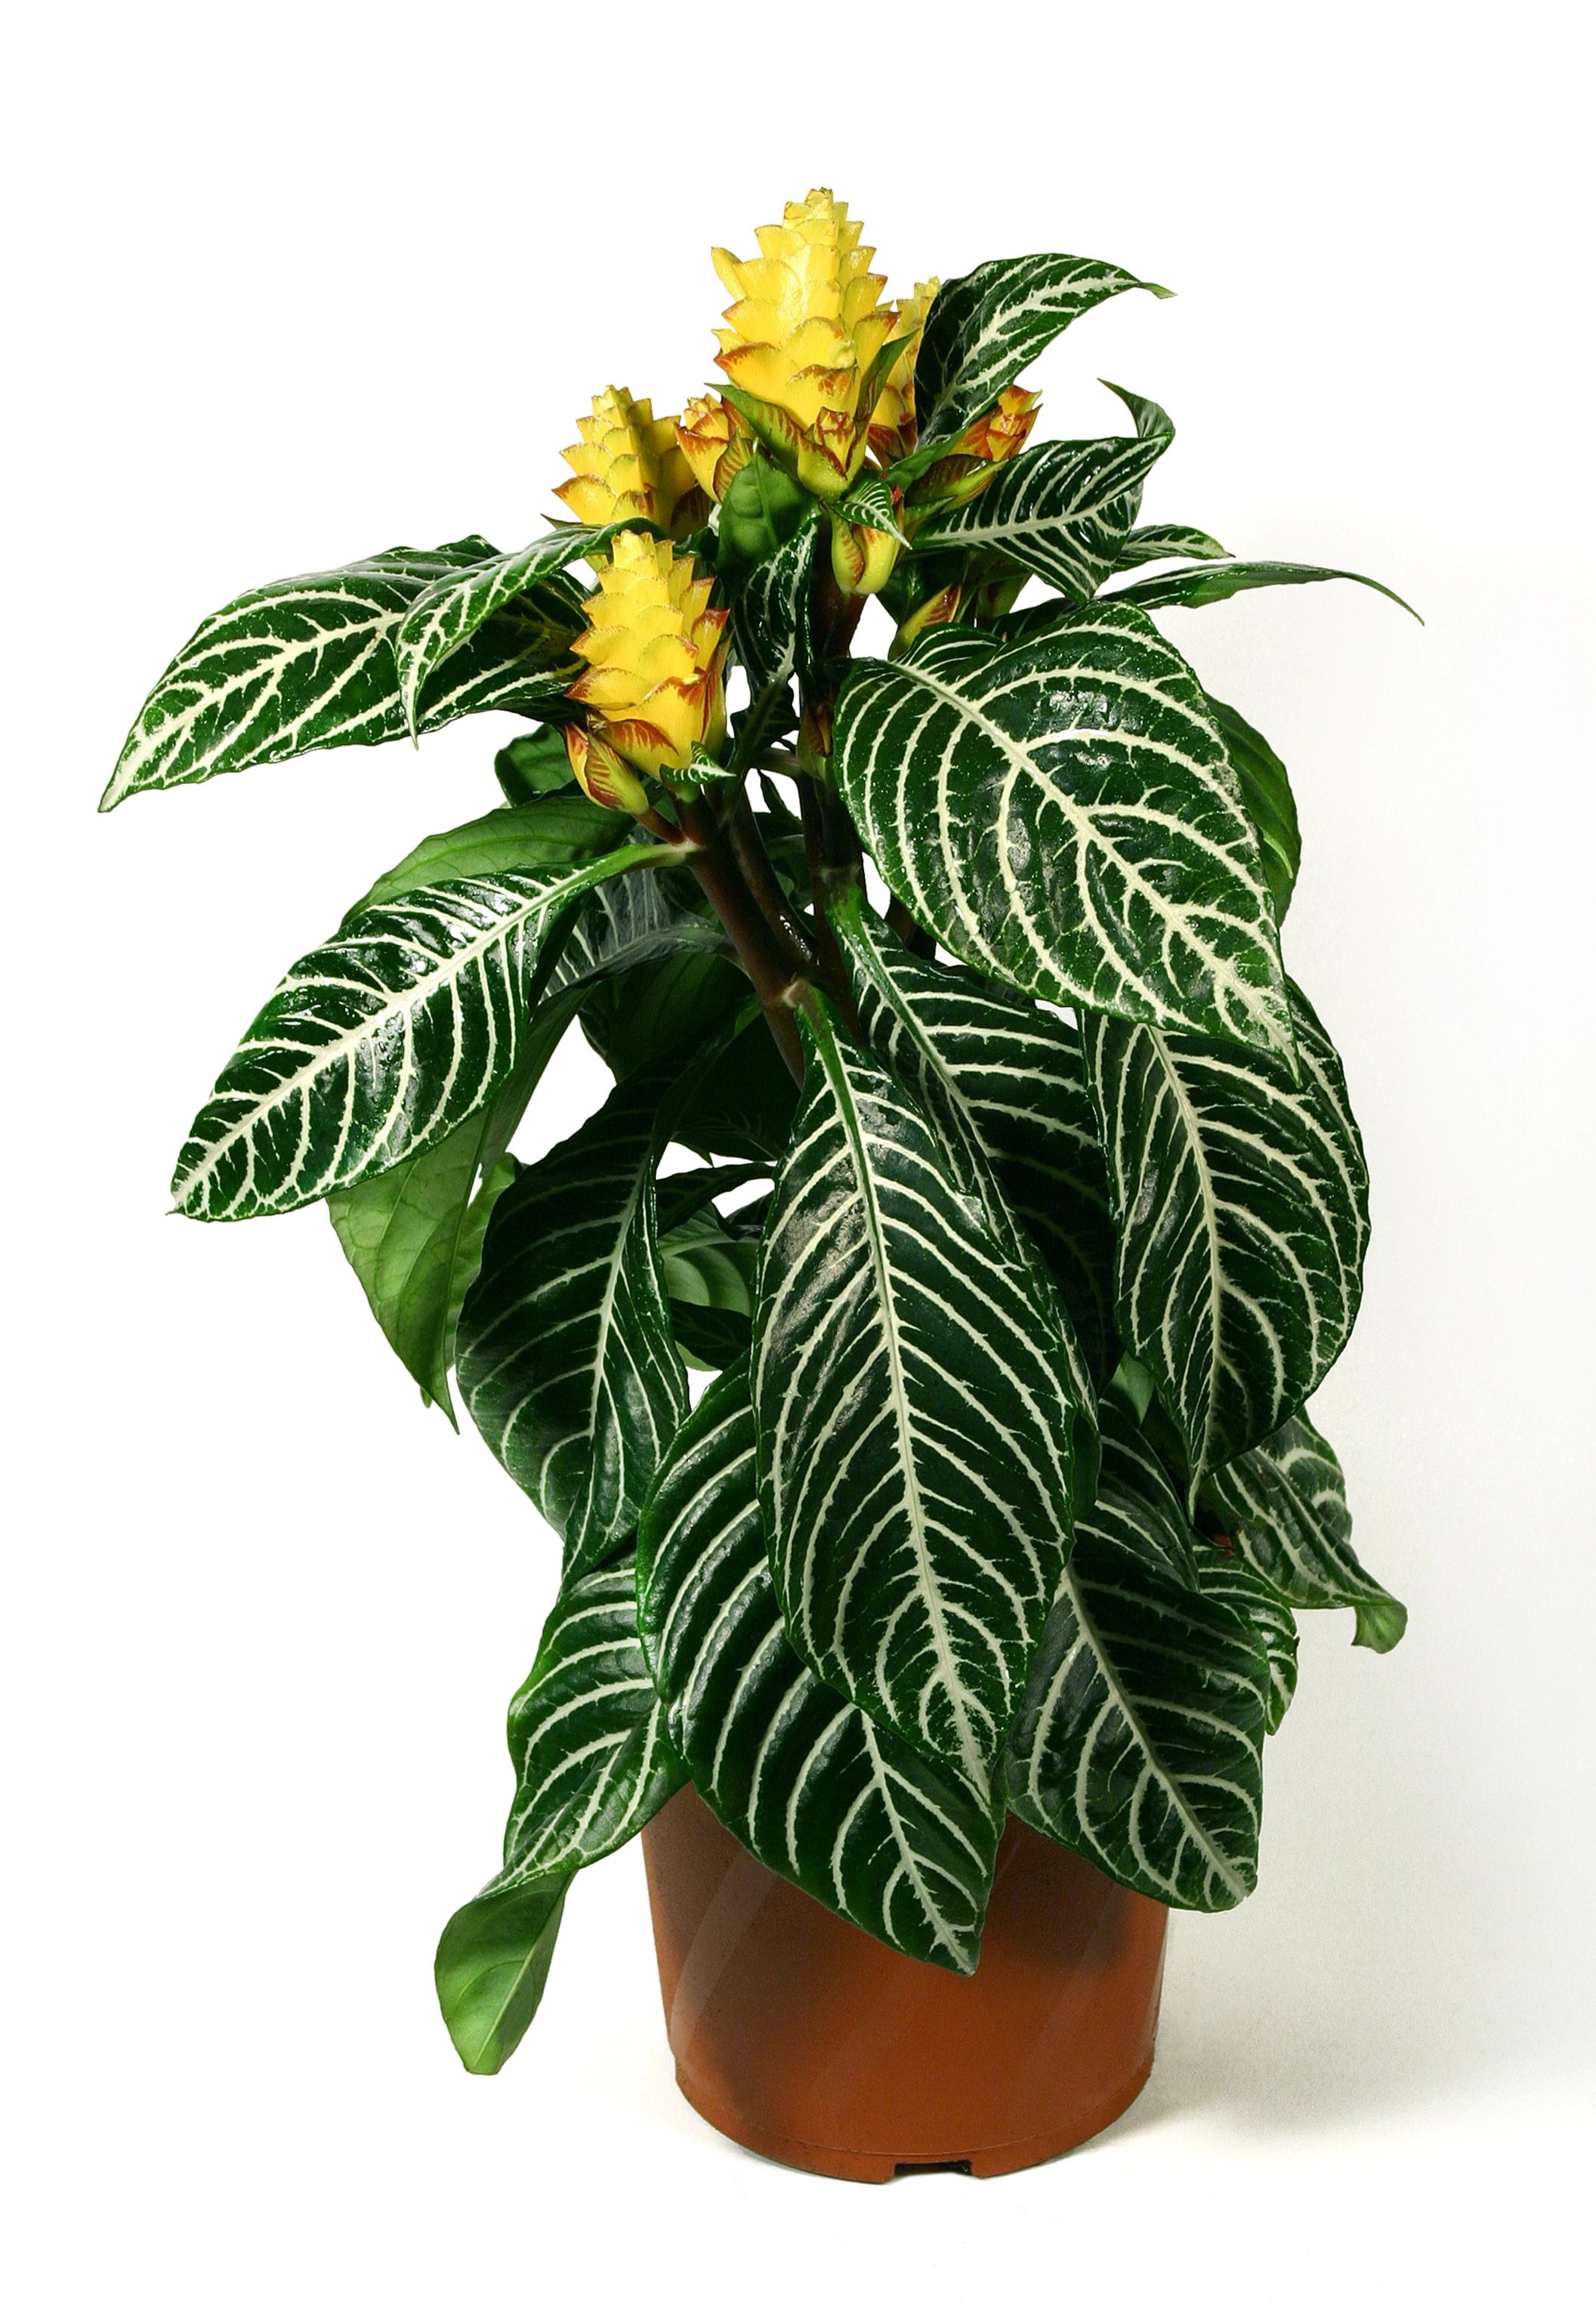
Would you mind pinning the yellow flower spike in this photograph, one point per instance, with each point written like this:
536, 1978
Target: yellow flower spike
802, 334
716, 442
654, 687
629, 466
987, 444
893, 427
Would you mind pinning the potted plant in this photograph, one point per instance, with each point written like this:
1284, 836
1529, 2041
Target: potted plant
1025, 1208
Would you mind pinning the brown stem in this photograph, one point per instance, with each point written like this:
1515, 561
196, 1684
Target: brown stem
909, 931
763, 961
766, 886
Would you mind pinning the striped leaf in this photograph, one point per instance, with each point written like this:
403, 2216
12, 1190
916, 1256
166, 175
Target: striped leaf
1266, 793
308, 664
772, 619
1061, 512
450, 613
492, 1961
564, 1355
378, 1044
869, 500
899, 1844
1211, 584
546, 833
1242, 1206
1227, 1577
1150, 543
1284, 1507
1139, 1742
1061, 814
914, 1417
985, 327
592, 1760
1005, 1084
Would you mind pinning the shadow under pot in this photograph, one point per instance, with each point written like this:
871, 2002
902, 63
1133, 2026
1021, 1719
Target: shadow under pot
804, 2039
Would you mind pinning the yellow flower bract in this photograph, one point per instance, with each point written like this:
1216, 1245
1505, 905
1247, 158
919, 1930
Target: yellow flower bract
894, 429
656, 658
628, 467
804, 329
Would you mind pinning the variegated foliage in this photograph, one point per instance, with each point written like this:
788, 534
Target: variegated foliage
1241, 1201
1064, 817
911, 1389
564, 1355
309, 663
1285, 1508
899, 1843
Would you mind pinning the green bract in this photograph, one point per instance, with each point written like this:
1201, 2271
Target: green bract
1012, 1192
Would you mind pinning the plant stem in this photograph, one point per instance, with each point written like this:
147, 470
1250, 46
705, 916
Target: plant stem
762, 956
766, 886
909, 931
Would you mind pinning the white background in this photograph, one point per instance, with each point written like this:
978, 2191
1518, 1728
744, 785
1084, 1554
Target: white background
292, 282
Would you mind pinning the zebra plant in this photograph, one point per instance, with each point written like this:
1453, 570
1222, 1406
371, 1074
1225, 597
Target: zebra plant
1007, 1192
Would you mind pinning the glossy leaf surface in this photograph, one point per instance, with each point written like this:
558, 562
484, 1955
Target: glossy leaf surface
1006, 1085
454, 609
492, 1964
1230, 1579
1284, 1505
1211, 584
985, 327
1139, 1742
592, 1760
308, 664
1266, 793
896, 1842
1061, 814
549, 833
1242, 1206
709, 1278
1150, 543
566, 1359
914, 1417
382, 1041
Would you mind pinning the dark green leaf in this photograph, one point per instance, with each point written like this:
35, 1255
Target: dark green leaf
1266, 793
549, 833
709, 1278
914, 1414
564, 1355
1210, 583
1284, 1507
1061, 814
1150, 543
898, 1844
1139, 1741
534, 764
868, 500
1242, 1204
1230, 1579
308, 664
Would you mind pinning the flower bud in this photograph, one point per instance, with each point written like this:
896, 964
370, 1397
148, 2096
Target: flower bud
935, 612
862, 558
804, 332
716, 442
893, 430
654, 687
604, 774
628, 466
987, 444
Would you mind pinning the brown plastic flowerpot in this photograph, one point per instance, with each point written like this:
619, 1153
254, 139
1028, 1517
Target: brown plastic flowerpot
806, 2040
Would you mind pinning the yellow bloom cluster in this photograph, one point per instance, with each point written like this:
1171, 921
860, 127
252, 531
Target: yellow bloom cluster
628, 466
802, 335
655, 684
893, 426
716, 442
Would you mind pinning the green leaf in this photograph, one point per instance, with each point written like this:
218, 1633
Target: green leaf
492, 1964
1005, 1084
592, 1760
1266, 793
533, 765
1062, 816
744, 1108
900, 1845
308, 664
1224, 1576
1150, 543
762, 511
985, 327
546, 834
381, 1042
1210, 583
677, 1002
1139, 1741
691, 1189
1060, 511
868, 500
564, 1355
914, 1417
772, 614
1242, 1204
709, 1278
1284, 1506
447, 615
